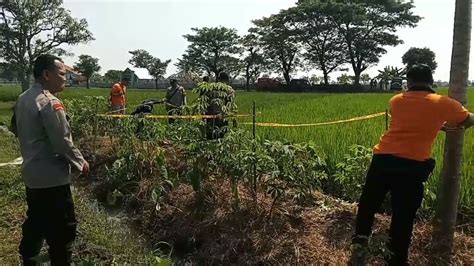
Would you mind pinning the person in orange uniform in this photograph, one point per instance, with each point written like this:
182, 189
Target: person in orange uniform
402, 162
117, 96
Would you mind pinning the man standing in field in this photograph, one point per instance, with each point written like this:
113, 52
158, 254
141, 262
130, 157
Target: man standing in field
48, 152
402, 162
175, 99
117, 96
220, 101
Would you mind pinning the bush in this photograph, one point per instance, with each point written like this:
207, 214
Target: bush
351, 172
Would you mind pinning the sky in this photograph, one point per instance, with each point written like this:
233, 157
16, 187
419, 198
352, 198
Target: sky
158, 26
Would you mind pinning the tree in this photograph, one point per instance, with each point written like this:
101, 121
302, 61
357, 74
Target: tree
315, 79
31, 28
446, 212
113, 75
213, 50
7, 71
420, 56
384, 77
186, 77
186, 73
96, 77
344, 79
143, 59
279, 44
184, 65
389, 73
367, 27
254, 62
312, 25
365, 78
87, 65
233, 66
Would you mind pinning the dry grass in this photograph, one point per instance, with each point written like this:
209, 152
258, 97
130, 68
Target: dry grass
292, 235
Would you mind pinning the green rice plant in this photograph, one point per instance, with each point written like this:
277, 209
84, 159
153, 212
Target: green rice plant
333, 141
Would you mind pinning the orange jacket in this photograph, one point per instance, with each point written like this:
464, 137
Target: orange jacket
417, 117
117, 94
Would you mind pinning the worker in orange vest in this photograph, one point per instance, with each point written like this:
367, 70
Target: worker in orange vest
117, 96
402, 162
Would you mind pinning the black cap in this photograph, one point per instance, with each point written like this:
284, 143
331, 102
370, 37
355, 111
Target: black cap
420, 73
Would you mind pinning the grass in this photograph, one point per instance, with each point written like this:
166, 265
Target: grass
295, 108
100, 240
10, 148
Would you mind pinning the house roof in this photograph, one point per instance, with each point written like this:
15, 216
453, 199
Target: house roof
70, 69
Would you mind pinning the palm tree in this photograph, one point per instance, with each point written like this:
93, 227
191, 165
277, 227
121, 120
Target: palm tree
445, 217
388, 73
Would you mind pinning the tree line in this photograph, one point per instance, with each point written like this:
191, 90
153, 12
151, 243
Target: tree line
323, 35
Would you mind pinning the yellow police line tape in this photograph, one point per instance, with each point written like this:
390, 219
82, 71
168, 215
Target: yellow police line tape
366, 117
176, 116
261, 124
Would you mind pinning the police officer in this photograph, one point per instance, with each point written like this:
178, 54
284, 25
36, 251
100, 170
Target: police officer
48, 156
175, 99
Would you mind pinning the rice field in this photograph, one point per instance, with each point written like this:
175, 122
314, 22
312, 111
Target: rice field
296, 108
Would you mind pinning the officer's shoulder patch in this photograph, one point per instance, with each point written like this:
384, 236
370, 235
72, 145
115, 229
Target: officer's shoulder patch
58, 106
42, 100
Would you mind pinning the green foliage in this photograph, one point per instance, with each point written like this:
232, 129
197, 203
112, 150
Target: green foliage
145, 161
365, 78
7, 71
313, 27
204, 87
212, 50
83, 111
87, 66
351, 172
113, 75
389, 73
279, 44
235, 157
420, 56
143, 59
32, 28
219, 96
298, 172
315, 79
367, 27
101, 240
344, 79
285, 171
160, 261
10, 146
96, 77
293, 108
254, 61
